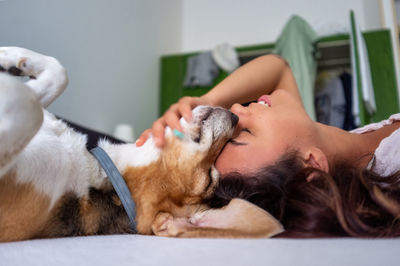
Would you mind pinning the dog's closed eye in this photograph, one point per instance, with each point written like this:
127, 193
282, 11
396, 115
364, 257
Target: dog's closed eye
209, 180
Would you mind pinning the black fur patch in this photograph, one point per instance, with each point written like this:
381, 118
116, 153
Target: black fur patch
113, 218
67, 220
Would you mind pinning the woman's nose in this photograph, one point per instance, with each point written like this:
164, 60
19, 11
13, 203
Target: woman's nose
239, 110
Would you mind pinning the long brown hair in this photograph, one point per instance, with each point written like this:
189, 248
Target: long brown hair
346, 202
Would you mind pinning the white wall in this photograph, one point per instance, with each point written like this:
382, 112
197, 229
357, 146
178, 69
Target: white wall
110, 49
397, 7
207, 23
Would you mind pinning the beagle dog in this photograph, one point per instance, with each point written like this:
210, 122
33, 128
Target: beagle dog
52, 186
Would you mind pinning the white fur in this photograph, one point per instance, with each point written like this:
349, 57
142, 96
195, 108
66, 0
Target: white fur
56, 161
125, 155
20, 119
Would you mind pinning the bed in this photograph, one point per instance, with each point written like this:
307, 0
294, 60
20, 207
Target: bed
151, 250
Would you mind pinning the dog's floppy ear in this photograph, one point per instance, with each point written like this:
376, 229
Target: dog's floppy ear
239, 219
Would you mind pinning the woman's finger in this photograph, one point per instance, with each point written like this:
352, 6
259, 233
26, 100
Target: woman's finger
183, 108
157, 131
187, 104
172, 120
143, 137
186, 111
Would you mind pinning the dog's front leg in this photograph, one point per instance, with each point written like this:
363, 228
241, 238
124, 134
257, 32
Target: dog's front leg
145, 214
166, 225
239, 219
20, 118
48, 78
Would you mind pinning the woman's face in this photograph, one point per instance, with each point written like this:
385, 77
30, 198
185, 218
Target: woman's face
263, 134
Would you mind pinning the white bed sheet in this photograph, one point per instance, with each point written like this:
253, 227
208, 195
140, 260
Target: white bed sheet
150, 250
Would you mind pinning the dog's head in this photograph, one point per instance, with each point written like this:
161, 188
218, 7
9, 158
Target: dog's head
190, 158
182, 173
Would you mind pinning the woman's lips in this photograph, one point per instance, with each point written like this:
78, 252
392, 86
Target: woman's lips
264, 100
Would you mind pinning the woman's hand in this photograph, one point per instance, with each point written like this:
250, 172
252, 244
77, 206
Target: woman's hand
183, 108
245, 84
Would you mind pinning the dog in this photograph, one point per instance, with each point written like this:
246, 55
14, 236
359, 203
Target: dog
52, 186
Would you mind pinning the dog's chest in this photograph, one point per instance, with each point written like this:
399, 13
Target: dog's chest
56, 161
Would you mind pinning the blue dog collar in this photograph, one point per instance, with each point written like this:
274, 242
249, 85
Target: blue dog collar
118, 183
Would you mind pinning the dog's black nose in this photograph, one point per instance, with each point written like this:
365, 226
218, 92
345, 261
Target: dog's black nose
234, 119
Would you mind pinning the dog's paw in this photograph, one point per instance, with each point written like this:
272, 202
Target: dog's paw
166, 225
161, 224
14, 60
48, 77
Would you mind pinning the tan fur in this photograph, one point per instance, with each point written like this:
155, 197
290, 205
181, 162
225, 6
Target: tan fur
168, 184
90, 216
27, 210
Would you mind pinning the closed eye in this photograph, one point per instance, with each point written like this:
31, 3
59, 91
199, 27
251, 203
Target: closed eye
239, 143
246, 130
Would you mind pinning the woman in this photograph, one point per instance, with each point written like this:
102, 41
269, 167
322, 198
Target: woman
316, 179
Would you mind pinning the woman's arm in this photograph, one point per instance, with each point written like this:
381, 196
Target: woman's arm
263, 75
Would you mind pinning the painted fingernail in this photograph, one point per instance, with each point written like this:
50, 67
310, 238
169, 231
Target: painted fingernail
178, 134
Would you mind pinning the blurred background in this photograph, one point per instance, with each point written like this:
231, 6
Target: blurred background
118, 53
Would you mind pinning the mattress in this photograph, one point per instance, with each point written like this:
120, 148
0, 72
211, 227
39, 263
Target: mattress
151, 250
